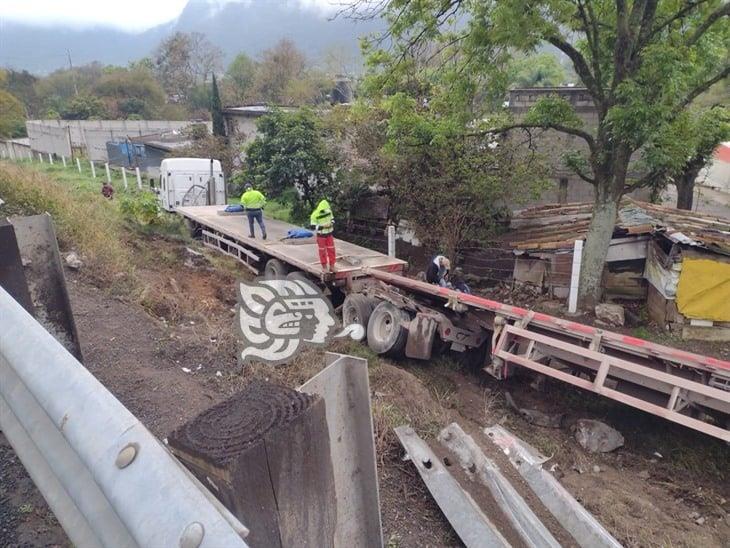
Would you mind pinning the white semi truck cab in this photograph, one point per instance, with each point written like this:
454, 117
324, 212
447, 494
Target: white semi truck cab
191, 182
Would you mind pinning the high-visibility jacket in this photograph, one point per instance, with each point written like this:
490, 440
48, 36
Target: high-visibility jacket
253, 199
322, 218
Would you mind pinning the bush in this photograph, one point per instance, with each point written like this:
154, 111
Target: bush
141, 207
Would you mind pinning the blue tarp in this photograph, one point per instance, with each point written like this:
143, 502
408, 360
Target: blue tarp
234, 208
299, 233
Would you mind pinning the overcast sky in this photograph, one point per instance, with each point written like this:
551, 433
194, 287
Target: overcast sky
133, 15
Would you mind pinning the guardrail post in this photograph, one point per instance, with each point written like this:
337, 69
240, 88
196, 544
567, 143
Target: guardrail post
40, 157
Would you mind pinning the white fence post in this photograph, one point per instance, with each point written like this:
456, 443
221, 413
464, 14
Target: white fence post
78, 164
108, 175
575, 276
3, 153
124, 178
391, 240
40, 157
63, 161
50, 158
93, 169
139, 178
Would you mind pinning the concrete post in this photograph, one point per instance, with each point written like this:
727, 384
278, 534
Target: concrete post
93, 169
391, 240
63, 161
50, 158
139, 178
2, 152
575, 276
40, 157
124, 178
78, 164
108, 174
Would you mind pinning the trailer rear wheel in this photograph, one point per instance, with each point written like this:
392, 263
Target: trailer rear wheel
357, 309
298, 275
275, 269
386, 335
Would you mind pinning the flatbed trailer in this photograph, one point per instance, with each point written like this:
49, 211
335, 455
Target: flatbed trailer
228, 233
409, 317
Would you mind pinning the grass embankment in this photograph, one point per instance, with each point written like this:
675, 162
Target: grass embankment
98, 228
84, 219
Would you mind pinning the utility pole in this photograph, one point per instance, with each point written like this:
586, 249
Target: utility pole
73, 74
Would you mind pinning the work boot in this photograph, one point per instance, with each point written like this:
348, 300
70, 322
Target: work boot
263, 237
252, 236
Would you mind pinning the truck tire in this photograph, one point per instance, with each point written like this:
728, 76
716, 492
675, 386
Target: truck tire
275, 269
298, 275
386, 335
357, 309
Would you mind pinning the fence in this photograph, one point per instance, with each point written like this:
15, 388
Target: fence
14, 149
107, 479
60, 137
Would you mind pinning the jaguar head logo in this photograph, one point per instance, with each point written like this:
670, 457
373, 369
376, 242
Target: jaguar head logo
278, 317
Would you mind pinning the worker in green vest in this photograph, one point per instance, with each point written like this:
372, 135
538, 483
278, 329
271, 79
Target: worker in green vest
323, 222
253, 203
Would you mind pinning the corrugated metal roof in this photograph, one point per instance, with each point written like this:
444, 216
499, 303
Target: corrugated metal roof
557, 226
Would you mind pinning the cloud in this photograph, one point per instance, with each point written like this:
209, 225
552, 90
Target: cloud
130, 15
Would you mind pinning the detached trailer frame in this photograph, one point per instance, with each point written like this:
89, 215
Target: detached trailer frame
408, 317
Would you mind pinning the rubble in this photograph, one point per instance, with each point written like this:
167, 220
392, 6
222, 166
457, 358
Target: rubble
73, 261
597, 437
612, 314
533, 416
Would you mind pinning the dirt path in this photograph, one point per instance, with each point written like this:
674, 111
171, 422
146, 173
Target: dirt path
677, 499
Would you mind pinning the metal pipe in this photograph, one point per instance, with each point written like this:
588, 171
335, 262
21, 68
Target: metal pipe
152, 498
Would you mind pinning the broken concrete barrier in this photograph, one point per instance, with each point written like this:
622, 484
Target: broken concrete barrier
597, 437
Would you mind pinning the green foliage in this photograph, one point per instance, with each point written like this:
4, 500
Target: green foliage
539, 70
142, 207
128, 92
21, 84
291, 152
240, 77
216, 111
553, 110
12, 116
83, 107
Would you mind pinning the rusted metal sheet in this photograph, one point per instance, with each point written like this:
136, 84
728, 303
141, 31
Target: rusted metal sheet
468, 520
44, 272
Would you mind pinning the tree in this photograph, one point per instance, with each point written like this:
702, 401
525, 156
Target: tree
58, 88
174, 66
126, 92
291, 153
643, 62
240, 77
678, 153
21, 84
280, 67
12, 116
540, 70
216, 111
83, 107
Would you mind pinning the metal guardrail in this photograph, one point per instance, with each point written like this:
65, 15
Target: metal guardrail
109, 481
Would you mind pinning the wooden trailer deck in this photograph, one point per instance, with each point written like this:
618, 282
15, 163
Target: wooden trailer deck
230, 231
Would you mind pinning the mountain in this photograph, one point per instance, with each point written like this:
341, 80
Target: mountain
250, 27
